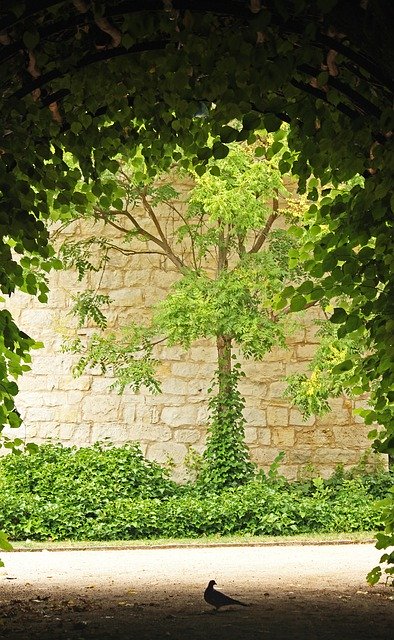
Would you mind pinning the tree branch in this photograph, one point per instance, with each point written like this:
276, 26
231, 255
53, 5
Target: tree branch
133, 252
287, 309
143, 232
263, 235
164, 242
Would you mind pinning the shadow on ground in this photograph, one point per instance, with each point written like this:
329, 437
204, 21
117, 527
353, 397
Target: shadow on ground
181, 614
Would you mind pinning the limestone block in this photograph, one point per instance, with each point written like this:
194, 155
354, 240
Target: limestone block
101, 385
69, 413
200, 371
335, 417
145, 432
328, 455
151, 296
45, 430
112, 432
58, 298
203, 354
147, 413
72, 432
70, 383
340, 404
279, 354
165, 400
313, 436
202, 416
297, 419
36, 318
266, 371
113, 279
305, 351
163, 279
56, 399
52, 364
354, 437
276, 391
297, 336
31, 399
250, 435
264, 436
179, 416
128, 412
172, 353
30, 382
277, 416
297, 367
248, 388
20, 432
282, 437
255, 417
181, 370
175, 386
162, 451
361, 403
100, 407
299, 456
197, 387
127, 297
311, 331
40, 414
264, 456
188, 436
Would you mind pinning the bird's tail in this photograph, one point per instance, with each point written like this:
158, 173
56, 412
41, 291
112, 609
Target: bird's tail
243, 604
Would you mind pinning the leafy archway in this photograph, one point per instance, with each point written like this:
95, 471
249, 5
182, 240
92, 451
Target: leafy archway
93, 77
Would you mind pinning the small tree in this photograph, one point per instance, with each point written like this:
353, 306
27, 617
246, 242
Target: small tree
232, 263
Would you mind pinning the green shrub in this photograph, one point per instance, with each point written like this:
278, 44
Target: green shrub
109, 493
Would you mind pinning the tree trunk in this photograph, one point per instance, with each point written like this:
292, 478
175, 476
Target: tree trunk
223, 345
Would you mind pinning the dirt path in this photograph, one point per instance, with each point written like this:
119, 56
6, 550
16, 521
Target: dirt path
313, 591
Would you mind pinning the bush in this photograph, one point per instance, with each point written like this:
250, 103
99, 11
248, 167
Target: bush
109, 493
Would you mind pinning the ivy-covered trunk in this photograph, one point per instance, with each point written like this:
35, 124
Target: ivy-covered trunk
223, 345
226, 457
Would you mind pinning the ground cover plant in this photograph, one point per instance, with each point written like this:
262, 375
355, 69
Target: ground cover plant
92, 78
114, 493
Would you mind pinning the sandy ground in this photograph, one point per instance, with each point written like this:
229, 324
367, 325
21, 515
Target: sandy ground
311, 591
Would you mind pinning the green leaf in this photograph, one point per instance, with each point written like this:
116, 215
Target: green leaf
215, 171
343, 366
31, 39
4, 543
220, 150
298, 303
251, 121
228, 134
339, 316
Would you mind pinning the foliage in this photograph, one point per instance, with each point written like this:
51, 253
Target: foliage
128, 356
385, 540
114, 493
225, 461
15, 358
310, 394
231, 262
177, 79
5, 545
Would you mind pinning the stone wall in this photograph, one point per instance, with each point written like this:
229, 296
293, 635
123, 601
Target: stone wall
83, 410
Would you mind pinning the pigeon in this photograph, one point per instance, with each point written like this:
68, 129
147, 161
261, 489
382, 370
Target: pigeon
218, 599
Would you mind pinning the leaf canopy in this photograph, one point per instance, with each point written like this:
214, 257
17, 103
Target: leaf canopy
91, 79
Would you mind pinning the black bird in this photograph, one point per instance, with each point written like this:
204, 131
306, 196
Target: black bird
218, 599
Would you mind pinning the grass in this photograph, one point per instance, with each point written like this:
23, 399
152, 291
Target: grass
310, 538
